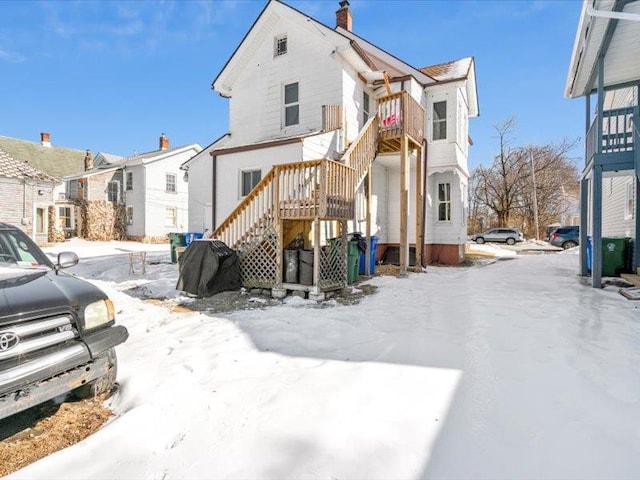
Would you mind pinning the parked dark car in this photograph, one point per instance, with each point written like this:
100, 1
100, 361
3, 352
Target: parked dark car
565, 237
508, 235
57, 332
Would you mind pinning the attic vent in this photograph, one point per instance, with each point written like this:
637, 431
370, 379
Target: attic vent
279, 45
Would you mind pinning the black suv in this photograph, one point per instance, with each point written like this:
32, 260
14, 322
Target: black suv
57, 332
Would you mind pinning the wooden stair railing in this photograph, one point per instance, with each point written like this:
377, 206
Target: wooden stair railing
363, 150
301, 190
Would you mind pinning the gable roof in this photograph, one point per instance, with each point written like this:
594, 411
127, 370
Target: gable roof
12, 168
155, 155
54, 161
449, 71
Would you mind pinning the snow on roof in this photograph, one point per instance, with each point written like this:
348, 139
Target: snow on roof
454, 70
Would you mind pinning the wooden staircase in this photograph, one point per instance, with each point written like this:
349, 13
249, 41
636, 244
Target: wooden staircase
295, 198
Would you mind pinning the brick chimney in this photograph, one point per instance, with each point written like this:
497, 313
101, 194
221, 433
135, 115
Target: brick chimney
88, 161
45, 139
344, 18
164, 142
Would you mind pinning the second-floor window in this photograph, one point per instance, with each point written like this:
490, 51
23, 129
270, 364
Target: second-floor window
365, 107
440, 120
444, 202
279, 45
291, 105
113, 191
250, 178
129, 182
170, 183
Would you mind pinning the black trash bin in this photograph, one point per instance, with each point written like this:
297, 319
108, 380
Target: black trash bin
305, 267
291, 266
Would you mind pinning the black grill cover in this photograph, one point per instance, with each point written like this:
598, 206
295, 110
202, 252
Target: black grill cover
208, 267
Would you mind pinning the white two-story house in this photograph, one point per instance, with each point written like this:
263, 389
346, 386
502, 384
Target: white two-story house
330, 134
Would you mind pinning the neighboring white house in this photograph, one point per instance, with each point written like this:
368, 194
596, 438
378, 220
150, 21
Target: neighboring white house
299, 90
150, 186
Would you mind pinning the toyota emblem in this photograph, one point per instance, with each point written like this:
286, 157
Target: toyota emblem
8, 340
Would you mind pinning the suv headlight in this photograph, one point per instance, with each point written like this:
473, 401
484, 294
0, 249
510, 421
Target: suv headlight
98, 313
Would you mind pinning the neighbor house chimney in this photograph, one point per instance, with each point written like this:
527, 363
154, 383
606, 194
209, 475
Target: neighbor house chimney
343, 16
164, 142
45, 139
88, 161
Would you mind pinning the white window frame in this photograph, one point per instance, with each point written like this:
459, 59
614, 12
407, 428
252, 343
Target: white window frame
445, 201
629, 200
128, 181
168, 217
439, 122
278, 41
167, 183
241, 180
63, 217
286, 105
129, 215
117, 184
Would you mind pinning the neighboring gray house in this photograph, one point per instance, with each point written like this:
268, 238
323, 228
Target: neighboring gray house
26, 196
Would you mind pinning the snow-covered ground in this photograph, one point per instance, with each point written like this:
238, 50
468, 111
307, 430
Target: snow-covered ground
510, 370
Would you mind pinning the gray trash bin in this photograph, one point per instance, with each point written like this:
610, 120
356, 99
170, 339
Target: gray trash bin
291, 266
305, 268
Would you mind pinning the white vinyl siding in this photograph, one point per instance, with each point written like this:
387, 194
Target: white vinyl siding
629, 200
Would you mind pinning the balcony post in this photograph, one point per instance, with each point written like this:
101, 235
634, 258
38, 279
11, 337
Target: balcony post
584, 212
636, 157
596, 229
404, 205
600, 102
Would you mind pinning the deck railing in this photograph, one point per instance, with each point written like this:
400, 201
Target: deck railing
301, 190
331, 117
400, 114
617, 131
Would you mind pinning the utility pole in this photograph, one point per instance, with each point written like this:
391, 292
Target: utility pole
535, 195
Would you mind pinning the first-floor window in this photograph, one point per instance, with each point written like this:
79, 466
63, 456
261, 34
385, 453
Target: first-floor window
129, 215
444, 202
171, 216
64, 217
250, 178
113, 191
629, 200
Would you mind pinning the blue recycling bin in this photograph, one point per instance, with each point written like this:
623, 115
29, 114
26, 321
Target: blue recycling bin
589, 255
191, 236
373, 244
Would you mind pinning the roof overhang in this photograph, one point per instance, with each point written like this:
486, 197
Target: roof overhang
611, 29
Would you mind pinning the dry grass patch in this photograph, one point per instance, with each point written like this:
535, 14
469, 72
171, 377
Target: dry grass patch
42, 430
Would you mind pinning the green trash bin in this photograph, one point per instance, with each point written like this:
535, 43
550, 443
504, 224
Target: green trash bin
176, 239
353, 261
614, 255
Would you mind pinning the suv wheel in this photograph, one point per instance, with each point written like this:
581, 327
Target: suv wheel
511, 241
480, 240
569, 244
104, 384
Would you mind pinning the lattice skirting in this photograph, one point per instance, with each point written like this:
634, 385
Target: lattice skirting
259, 260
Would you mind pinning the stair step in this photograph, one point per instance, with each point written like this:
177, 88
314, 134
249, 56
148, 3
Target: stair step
632, 278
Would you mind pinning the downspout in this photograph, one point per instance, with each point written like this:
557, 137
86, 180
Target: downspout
214, 163
424, 199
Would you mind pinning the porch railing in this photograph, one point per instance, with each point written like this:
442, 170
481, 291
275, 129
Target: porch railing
617, 132
331, 117
400, 114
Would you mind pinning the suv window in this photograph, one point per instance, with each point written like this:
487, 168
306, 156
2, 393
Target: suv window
565, 230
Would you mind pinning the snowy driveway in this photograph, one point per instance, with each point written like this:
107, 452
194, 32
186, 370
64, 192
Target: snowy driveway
512, 370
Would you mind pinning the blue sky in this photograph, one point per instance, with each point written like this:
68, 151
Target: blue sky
112, 76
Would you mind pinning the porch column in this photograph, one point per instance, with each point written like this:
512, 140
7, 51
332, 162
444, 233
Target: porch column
419, 201
316, 255
404, 205
367, 261
584, 225
636, 153
596, 230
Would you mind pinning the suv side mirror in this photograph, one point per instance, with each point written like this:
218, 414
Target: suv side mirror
66, 260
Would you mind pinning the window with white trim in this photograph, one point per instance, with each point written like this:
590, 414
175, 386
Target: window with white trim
291, 105
170, 183
113, 191
129, 181
629, 200
170, 216
444, 202
279, 45
64, 217
440, 120
129, 215
248, 180
366, 101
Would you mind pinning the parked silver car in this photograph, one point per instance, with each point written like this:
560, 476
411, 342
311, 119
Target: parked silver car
508, 235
